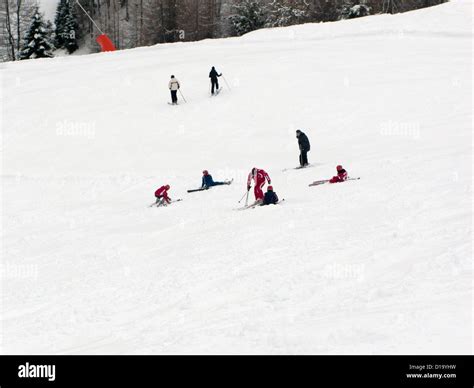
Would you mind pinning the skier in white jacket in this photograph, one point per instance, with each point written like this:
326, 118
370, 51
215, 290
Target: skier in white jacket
174, 86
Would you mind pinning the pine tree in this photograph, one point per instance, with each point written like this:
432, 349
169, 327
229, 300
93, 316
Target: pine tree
249, 16
37, 43
285, 13
70, 29
66, 27
354, 9
59, 24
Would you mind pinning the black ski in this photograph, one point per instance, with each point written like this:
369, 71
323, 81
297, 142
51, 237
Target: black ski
196, 190
207, 188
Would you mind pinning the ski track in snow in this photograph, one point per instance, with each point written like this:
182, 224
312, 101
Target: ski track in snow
376, 266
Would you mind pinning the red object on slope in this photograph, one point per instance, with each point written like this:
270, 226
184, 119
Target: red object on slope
105, 43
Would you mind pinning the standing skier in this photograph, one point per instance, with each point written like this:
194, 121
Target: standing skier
162, 196
340, 177
259, 176
271, 198
207, 181
214, 76
174, 86
303, 143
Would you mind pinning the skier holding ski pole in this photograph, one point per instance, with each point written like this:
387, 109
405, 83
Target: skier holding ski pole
174, 86
214, 76
259, 177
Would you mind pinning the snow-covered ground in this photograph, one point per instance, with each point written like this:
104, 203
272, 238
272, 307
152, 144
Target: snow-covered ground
376, 266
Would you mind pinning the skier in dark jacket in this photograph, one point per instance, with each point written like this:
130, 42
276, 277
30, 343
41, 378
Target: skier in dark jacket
305, 147
207, 181
214, 76
270, 198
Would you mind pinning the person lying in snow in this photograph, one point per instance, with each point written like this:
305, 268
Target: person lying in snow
270, 197
340, 177
207, 181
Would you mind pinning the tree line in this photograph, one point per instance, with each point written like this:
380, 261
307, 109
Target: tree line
135, 23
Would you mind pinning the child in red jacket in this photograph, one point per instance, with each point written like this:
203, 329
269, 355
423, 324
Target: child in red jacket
162, 195
340, 177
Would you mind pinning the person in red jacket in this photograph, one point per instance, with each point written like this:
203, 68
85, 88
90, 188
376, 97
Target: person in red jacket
259, 177
340, 177
162, 195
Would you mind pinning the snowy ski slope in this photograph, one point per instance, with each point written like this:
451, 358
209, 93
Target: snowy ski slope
377, 266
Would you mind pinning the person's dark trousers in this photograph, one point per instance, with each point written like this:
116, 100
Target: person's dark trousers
215, 85
304, 158
174, 96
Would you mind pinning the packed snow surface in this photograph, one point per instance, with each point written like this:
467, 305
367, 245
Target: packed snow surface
381, 265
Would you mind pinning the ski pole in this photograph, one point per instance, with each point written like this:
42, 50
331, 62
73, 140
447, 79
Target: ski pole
182, 95
226, 82
247, 199
243, 197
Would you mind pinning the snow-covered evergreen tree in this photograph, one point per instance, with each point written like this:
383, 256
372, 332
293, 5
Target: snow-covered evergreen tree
37, 43
249, 16
284, 13
354, 9
59, 24
66, 26
70, 29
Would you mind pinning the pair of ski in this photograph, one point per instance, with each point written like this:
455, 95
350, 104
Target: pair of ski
163, 203
216, 92
297, 168
255, 204
323, 182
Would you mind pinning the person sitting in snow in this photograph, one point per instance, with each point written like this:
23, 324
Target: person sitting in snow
341, 175
208, 182
162, 196
270, 197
